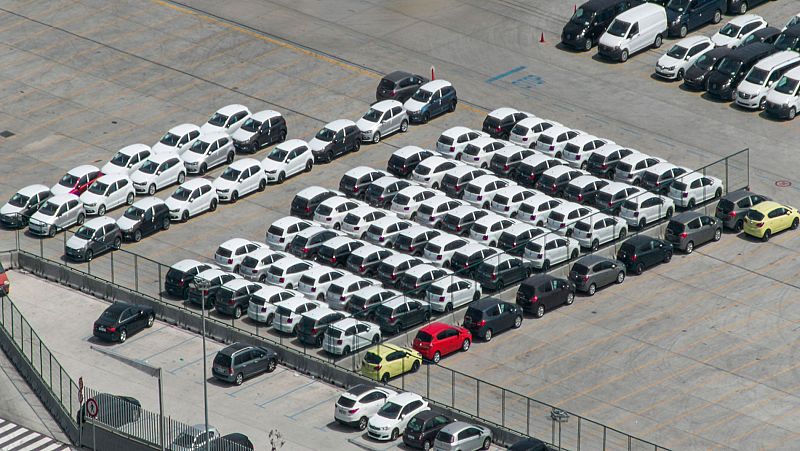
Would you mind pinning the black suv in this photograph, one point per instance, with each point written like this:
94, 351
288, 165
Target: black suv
399, 85
234, 302
239, 361
336, 251
641, 252
590, 21
544, 292
395, 316
405, 160
335, 139
180, 276
486, 317
498, 123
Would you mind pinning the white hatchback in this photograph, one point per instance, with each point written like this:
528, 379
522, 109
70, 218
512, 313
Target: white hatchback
506, 201
391, 420
451, 142
227, 119
340, 290
430, 171
682, 55
579, 149
357, 221
695, 188
449, 293
645, 208
440, 249
287, 272
127, 160
56, 214
408, 200
631, 169
549, 250
258, 262
563, 218
157, 172
262, 303
332, 211
192, 198
208, 151
433, 210
383, 231
552, 141
535, 210
288, 313
350, 335
315, 282
287, 159
106, 193
527, 131
487, 230
479, 152
481, 191
598, 229
383, 119
177, 139
229, 254
281, 232
239, 179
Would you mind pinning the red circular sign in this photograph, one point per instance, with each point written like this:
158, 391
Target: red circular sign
783, 183
91, 408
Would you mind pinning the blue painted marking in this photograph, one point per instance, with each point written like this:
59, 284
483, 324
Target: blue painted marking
285, 394
528, 82
292, 416
505, 74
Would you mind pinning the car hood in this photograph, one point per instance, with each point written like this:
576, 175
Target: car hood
91, 198
127, 223
610, 40
318, 144
413, 106
210, 128
242, 135
749, 88
379, 421
722, 40
668, 61
779, 98
141, 177
38, 217
718, 78
9, 209
573, 29
109, 168
59, 189
366, 126
672, 15
193, 157
77, 243
272, 165
222, 184
174, 204
160, 148
695, 73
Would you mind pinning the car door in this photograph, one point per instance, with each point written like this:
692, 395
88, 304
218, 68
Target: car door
266, 133
386, 123
258, 361
362, 336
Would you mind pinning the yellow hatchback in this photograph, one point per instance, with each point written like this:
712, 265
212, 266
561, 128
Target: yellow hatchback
768, 218
385, 361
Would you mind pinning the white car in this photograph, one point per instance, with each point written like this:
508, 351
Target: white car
532, 166
355, 406
192, 198
288, 313
527, 131
452, 292
506, 201
481, 191
479, 152
563, 218
287, 272
599, 229
391, 420
127, 160
229, 254
414, 239
384, 230
579, 149
180, 274
535, 210
177, 139
242, 177
433, 210
227, 119
281, 232
440, 249
430, 171
315, 282
548, 250
752, 91
287, 159
383, 119
260, 129
339, 292
487, 230
738, 29
408, 200
451, 142
262, 303
157, 172
506, 160
645, 208
208, 151
631, 169
513, 239
22, 204
357, 221
350, 335
106, 193
76, 180
332, 211
695, 188
680, 57
364, 261
552, 141
258, 262
56, 214
783, 100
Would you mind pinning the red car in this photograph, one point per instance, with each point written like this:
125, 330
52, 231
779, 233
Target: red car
438, 339
5, 285
76, 180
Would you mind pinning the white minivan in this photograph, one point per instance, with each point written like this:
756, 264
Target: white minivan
752, 91
635, 29
783, 100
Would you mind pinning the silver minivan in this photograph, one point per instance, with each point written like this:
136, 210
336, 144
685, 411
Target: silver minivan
463, 437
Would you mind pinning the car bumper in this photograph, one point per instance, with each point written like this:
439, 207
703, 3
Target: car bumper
698, 84
609, 52
272, 176
379, 435
720, 93
245, 147
140, 188
13, 221
223, 376
749, 103
677, 243
107, 336
75, 254
175, 290
663, 72
682, 202
175, 215
574, 42
727, 221
285, 328
757, 232
333, 349
224, 195
479, 332
39, 229
225, 309
415, 116
781, 111
369, 373
307, 339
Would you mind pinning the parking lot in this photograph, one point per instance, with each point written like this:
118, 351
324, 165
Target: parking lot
695, 354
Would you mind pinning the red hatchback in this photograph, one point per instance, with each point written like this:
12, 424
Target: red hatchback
439, 339
77, 180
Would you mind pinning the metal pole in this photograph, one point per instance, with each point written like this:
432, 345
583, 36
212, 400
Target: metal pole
205, 370
161, 410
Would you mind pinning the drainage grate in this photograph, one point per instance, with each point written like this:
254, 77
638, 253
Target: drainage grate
6, 134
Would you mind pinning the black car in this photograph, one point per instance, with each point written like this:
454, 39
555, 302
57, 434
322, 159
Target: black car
234, 300
455, 179
489, 316
364, 302
641, 252
121, 319
391, 270
603, 163
216, 279
685, 15
505, 162
497, 272
423, 427
381, 192
417, 279
498, 123
789, 39
400, 314
543, 292
404, 160
113, 410
593, 271
696, 76
723, 80
312, 326
232, 442
529, 444
553, 185
335, 139
742, 6
399, 85
590, 21
356, 181
767, 35
460, 220
260, 130
143, 218
24, 204
307, 243
307, 200
337, 250
181, 274
240, 361
465, 260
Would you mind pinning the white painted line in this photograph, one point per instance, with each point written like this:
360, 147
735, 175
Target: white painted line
39, 443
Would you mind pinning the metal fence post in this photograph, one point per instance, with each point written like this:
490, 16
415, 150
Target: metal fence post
478, 398
503, 412
50, 354
727, 181
452, 388
40, 357
136, 271
528, 418
160, 291
112, 268
41, 247
579, 434
604, 437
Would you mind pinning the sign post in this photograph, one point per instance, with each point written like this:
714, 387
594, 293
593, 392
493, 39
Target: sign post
91, 410
80, 406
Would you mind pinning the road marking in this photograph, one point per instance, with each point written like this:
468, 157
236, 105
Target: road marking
17, 438
505, 74
292, 416
285, 394
265, 378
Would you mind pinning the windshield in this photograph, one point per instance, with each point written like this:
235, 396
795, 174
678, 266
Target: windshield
786, 42
582, 16
787, 85
372, 115
421, 95
120, 159
85, 232
199, 147
677, 5
68, 180
149, 167
278, 154
390, 410
98, 188
729, 66
19, 200
251, 125
218, 120
757, 76
181, 194
231, 174
730, 30
325, 135
677, 52
704, 62
49, 209
619, 28
134, 213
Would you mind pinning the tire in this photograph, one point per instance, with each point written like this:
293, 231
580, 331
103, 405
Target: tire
234, 197
639, 269
574, 255
570, 299
792, 112
237, 312
404, 126
622, 58
738, 226
622, 234
181, 178
289, 286
151, 190
437, 356
309, 165
165, 223
229, 157
262, 185
588, 44
89, 255
448, 308
272, 365
795, 223
717, 17
670, 212
137, 236
487, 442
101, 211
329, 156
281, 177
376, 138
362, 423
667, 257
435, 185
767, 235
415, 366
689, 247
539, 311
621, 277
213, 205
346, 350
426, 446
642, 223
475, 297
123, 335
185, 216
452, 107
592, 290
683, 31
465, 345
425, 118
337, 226
282, 137
743, 8
239, 379
546, 265
150, 320
357, 147
595, 245
117, 243
717, 234
718, 193
762, 104
395, 434
517, 322
129, 199
659, 40
203, 169
270, 318
376, 339
500, 285
385, 380
487, 336
81, 218
679, 75
691, 204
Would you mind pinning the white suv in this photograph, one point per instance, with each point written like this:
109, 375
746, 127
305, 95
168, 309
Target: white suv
355, 406
288, 313
262, 303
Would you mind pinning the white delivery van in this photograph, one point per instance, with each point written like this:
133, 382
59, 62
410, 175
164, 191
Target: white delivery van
636, 29
752, 91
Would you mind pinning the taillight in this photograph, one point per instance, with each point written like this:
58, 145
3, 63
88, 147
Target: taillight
381, 238
482, 323
438, 257
393, 93
577, 157
362, 268
313, 289
458, 188
539, 255
498, 129
406, 208
524, 138
380, 197
562, 226
732, 214
410, 248
603, 166
452, 148
585, 278
111, 329
760, 224
485, 237
377, 367
507, 208
634, 258
533, 216
314, 330
281, 280
480, 197
441, 298
181, 282
328, 218
580, 197
231, 302
394, 276
288, 320
552, 147
230, 371
338, 342
230, 261
342, 298
684, 235
433, 218
589, 235
308, 209
356, 228
333, 259
282, 240
685, 194
635, 214
392, 319
352, 411
534, 299
505, 167
458, 228
355, 189
305, 250
494, 276
610, 204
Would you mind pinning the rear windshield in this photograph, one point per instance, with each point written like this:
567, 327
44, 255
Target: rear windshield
472, 149
573, 190
299, 241
299, 203
580, 269
324, 210
432, 248
556, 216
171, 274
726, 206
451, 219
490, 122
423, 170
222, 360
630, 205
375, 190
384, 311
604, 197
356, 260
387, 84
346, 402
307, 323
437, 290
479, 228
573, 148
583, 226
475, 314
547, 180
351, 219
222, 252
755, 215
651, 177
375, 230
372, 358
424, 337
404, 240
676, 227
426, 209
307, 280
624, 167
450, 179
534, 247
275, 230
473, 189
597, 158
401, 199
348, 180
446, 140
680, 186
520, 130
395, 160
336, 290
358, 302
283, 311
275, 271
501, 199
333, 332
544, 139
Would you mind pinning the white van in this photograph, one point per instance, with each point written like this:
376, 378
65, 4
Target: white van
752, 91
783, 100
636, 29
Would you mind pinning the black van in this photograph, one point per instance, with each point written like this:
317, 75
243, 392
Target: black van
685, 15
696, 76
725, 77
544, 292
789, 39
591, 20
767, 35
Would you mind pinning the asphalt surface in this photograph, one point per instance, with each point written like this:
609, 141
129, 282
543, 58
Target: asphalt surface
81, 79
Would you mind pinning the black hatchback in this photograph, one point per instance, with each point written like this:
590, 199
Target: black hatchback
641, 252
405, 160
399, 85
544, 292
121, 319
307, 200
488, 316
423, 427
697, 74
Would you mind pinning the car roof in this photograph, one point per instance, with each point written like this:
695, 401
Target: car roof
263, 115
686, 216
385, 105
183, 129
456, 131
421, 269
767, 206
794, 74
568, 206
719, 52
229, 110
433, 161
690, 41
385, 181
212, 136
435, 85
387, 220
496, 259
265, 290
639, 239
347, 279
368, 249
771, 31
82, 169
611, 147
583, 139
471, 247
462, 170
290, 260
363, 210
592, 219
234, 243
335, 201
744, 19
502, 112
457, 426
557, 130
291, 144
235, 284
370, 290
413, 190
95, 223
485, 303
232, 349
289, 220
447, 281
133, 149
244, 163
147, 202
407, 151
484, 180
294, 302
339, 240
359, 171
446, 238
31, 190
311, 191
530, 121
640, 11
212, 273
385, 349
558, 170
777, 59
637, 157
196, 183
406, 398
439, 199
319, 312
510, 150
661, 167
751, 51
396, 259
397, 75
118, 307
111, 178
537, 279
519, 227
613, 187
339, 124
583, 180
318, 271
462, 210
311, 231
737, 195
591, 259
347, 322
491, 218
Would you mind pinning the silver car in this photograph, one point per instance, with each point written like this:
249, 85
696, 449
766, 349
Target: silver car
383, 119
463, 437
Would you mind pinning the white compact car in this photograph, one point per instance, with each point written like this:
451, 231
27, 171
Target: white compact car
645, 208
433, 210
157, 172
452, 292
752, 91
631, 169
383, 119
350, 335
430, 171
208, 151
680, 57
535, 210
384, 230
783, 100
227, 119
287, 159
506, 201
599, 229
563, 218
355, 406
407, 201
578, 151
357, 221
106, 193
127, 160
281, 232
315, 282
391, 420
695, 188
440, 249
242, 177
339, 292
287, 272
332, 211
548, 250
551, 142
57, 213
487, 230
738, 29
288, 313
192, 198
451, 142
229, 254
258, 262
527, 131
262, 303
177, 139
479, 152
480, 191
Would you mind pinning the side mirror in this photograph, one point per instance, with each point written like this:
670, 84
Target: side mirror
158, 172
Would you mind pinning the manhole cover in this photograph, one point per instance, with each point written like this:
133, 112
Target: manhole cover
783, 183
6, 134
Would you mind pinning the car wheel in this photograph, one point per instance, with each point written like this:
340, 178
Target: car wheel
362, 423
691, 204
465, 345
81, 218
137, 236
346, 350
452, 107
659, 40
117, 243
123, 335
237, 312
683, 31
792, 112
165, 223
570, 298
271, 317
415, 366
185, 216
385, 380
762, 104
622, 234
89, 255
281, 177
583, 166
213, 205
639, 269
229, 158
574, 255
743, 8
767, 235
404, 126
487, 336
588, 44
203, 169
622, 58
484, 166
151, 319
376, 339
689, 247
546, 265
487, 442
395, 434
669, 212
426, 446
181, 178
337, 226
795, 223
592, 289
239, 379
448, 308
101, 211
151, 190
357, 147
234, 196
329, 156
518, 322
717, 17
129, 199
539, 311
717, 234
595, 245
667, 257
272, 365
500, 285
376, 138
309, 165
425, 118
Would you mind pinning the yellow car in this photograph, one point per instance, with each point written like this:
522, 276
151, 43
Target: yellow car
385, 361
768, 218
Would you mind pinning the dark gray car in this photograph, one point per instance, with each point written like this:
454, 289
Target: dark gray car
733, 206
93, 238
593, 271
689, 229
239, 361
